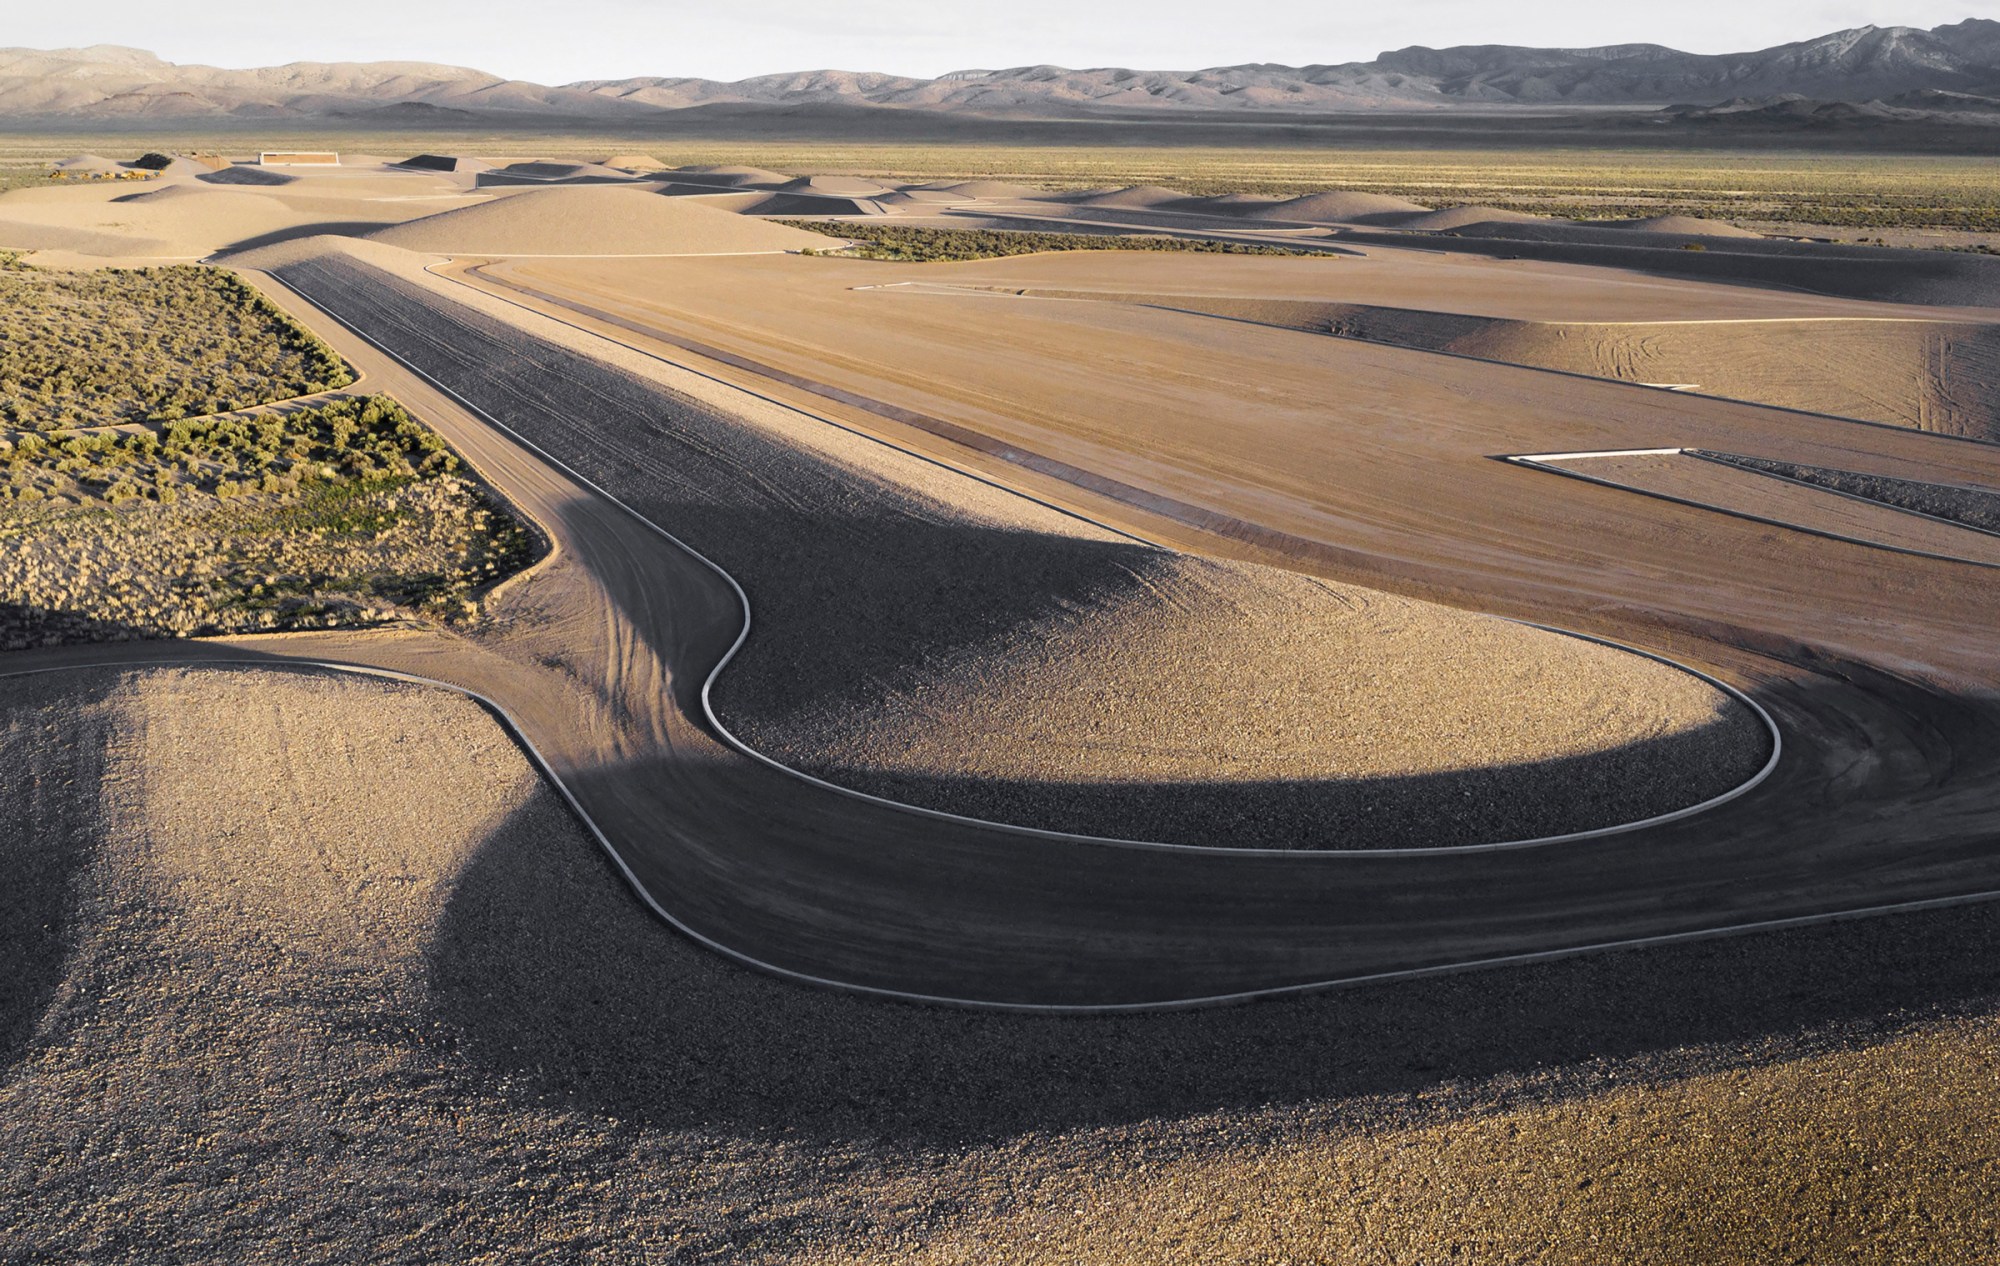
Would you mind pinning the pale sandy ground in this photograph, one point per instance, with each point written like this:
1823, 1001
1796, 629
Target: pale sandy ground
274, 998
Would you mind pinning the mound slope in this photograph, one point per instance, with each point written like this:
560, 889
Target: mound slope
588, 220
834, 186
1464, 217
1333, 207
1137, 197
732, 176
1682, 226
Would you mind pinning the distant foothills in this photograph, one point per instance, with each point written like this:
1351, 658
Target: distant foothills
1883, 72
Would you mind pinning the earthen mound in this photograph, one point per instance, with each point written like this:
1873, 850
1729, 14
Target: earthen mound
592, 220
1335, 207
1464, 217
834, 187
1135, 198
997, 190
1681, 226
88, 165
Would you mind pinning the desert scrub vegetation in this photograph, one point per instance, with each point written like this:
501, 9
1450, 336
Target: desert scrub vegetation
147, 345
347, 513
909, 244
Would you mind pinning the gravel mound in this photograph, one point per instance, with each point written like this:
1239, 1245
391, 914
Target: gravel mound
1137, 197
1682, 226
733, 176
1463, 217
997, 190
589, 220
90, 165
834, 186
1337, 207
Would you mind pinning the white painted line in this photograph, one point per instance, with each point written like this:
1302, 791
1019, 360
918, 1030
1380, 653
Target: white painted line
1602, 452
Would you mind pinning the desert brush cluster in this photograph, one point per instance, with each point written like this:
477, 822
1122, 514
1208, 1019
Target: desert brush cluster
346, 513
146, 345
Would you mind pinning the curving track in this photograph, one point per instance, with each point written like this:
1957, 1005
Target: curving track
1884, 794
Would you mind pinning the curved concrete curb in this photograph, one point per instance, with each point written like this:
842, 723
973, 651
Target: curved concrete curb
514, 731
942, 815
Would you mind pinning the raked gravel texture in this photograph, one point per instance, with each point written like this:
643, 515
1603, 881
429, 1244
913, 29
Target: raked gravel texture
922, 635
311, 969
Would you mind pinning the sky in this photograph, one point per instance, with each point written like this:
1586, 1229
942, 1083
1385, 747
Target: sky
731, 39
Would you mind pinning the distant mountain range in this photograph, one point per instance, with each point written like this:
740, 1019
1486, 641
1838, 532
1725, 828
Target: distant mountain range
1911, 69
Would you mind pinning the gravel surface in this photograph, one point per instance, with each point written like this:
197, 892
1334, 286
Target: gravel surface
1935, 376
274, 998
921, 634
1974, 507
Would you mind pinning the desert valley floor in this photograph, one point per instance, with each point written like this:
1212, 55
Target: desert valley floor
1556, 654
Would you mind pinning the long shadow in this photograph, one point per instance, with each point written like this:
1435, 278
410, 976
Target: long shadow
48, 822
335, 228
556, 979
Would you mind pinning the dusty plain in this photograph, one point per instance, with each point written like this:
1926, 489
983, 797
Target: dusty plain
851, 440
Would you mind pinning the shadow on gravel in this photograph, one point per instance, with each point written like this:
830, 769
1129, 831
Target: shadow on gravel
49, 824
559, 982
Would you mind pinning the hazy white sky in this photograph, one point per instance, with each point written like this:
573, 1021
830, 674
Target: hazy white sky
729, 39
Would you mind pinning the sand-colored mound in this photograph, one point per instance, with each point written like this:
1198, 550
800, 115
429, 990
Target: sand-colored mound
89, 165
633, 162
1450, 218
592, 220
1197, 698
248, 174
1244, 204
1334, 207
995, 190
734, 176
794, 204
1135, 198
1681, 226
834, 186
180, 220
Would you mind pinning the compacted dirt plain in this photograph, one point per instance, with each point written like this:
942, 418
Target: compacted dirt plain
344, 1018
